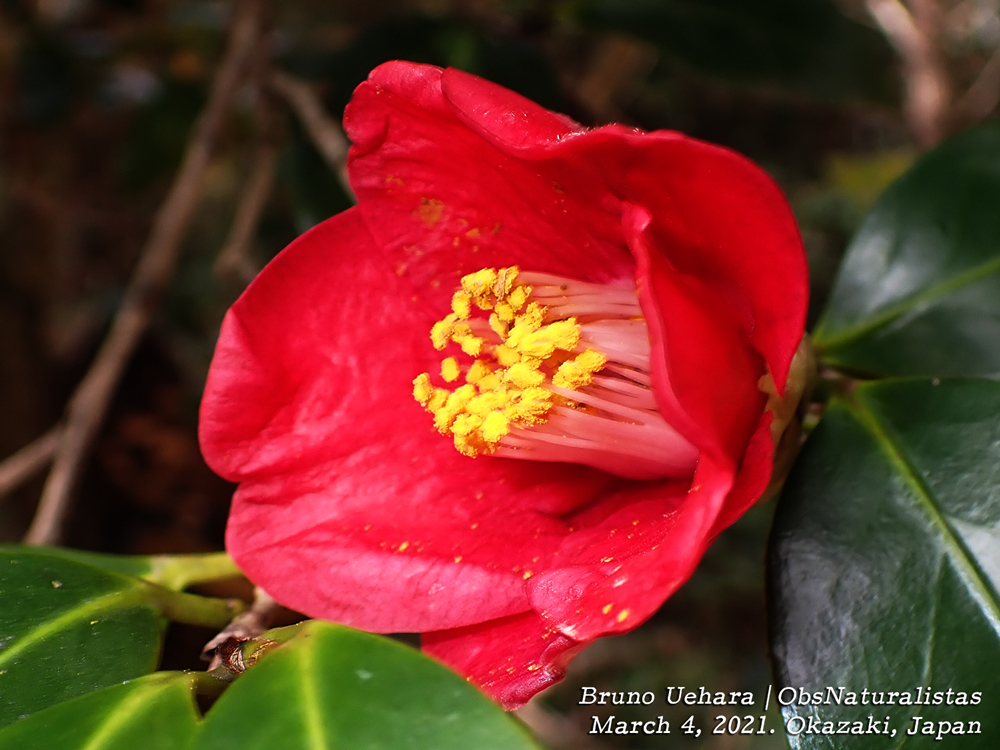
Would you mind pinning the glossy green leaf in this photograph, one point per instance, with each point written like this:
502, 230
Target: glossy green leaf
175, 572
919, 290
332, 687
884, 566
806, 44
67, 627
156, 712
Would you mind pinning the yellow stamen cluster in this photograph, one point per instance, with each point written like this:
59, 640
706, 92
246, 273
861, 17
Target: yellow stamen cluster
505, 384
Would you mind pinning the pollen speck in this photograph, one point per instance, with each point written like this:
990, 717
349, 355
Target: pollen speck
430, 211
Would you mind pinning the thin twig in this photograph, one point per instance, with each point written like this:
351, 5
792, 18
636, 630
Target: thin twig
982, 96
322, 129
914, 34
18, 468
87, 408
235, 257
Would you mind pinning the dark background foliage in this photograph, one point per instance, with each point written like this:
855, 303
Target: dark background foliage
97, 98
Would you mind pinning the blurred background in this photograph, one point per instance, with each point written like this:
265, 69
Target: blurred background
156, 153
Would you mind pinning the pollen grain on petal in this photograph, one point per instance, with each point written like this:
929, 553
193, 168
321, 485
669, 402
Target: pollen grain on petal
430, 211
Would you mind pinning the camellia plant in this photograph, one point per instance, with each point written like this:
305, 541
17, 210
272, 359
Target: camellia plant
612, 309
507, 402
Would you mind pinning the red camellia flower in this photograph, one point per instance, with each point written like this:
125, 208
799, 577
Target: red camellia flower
509, 399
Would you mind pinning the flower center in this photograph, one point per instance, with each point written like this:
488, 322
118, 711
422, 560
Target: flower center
559, 371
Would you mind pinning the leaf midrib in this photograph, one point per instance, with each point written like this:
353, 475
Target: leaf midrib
960, 555
69, 617
824, 345
315, 734
122, 712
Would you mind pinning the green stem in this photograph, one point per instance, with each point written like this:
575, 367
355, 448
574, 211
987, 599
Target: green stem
198, 610
177, 572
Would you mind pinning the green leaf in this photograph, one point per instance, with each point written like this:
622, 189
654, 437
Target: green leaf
884, 562
919, 290
332, 687
156, 712
175, 572
807, 44
67, 627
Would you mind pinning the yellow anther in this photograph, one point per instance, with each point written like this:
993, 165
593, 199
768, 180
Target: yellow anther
524, 375
543, 343
527, 322
479, 286
422, 389
471, 345
579, 372
518, 297
506, 277
495, 426
461, 304
486, 402
532, 316
506, 356
454, 406
498, 326
489, 383
506, 387
505, 312
479, 370
465, 424
441, 331
438, 400
449, 370
529, 405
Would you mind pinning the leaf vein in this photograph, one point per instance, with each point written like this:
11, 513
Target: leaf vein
69, 617
889, 314
956, 551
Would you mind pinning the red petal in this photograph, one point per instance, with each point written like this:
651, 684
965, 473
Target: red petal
351, 506
509, 659
501, 116
753, 477
586, 599
704, 371
716, 217
616, 574
442, 201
